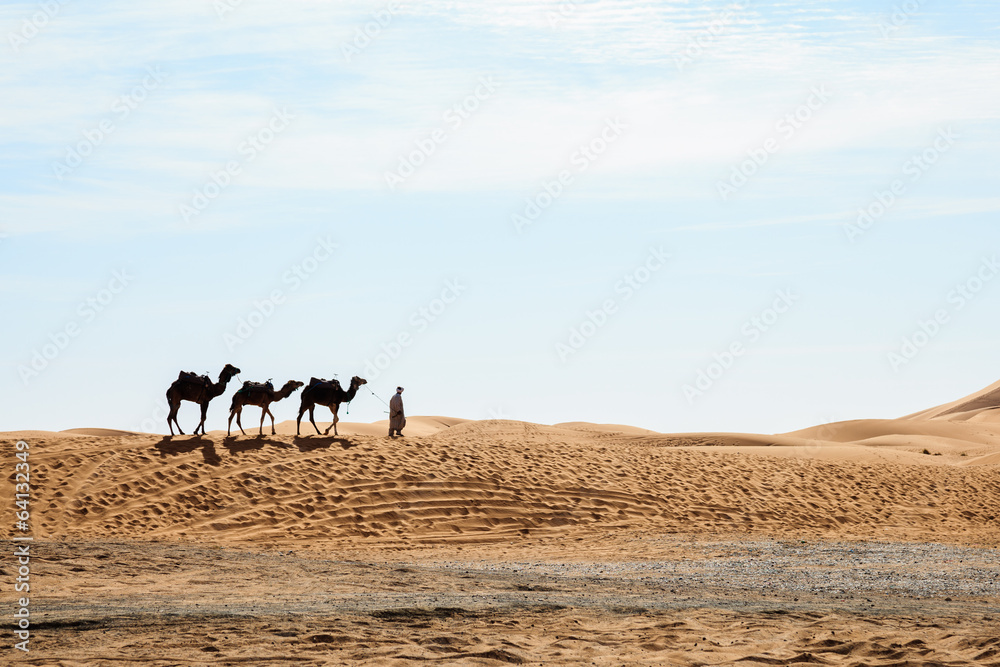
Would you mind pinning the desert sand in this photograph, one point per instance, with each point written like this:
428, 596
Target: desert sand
494, 542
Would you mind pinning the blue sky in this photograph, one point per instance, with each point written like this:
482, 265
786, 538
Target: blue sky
178, 164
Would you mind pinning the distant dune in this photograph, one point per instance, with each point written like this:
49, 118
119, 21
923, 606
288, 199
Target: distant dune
978, 407
605, 428
926, 476
98, 431
415, 426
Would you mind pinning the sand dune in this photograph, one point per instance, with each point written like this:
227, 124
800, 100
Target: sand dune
605, 428
506, 542
977, 404
98, 431
415, 426
481, 481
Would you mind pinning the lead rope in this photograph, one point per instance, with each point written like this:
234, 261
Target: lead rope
377, 396
347, 411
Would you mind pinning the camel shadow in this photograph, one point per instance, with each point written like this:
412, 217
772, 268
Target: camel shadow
311, 443
239, 444
170, 447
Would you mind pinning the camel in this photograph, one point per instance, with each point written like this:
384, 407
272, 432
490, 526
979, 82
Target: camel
330, 394
197, 389
261, 395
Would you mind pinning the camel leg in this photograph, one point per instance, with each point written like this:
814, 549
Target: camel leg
312, 409
263, 413
229, 424
172, 417
204, 416
298, 420
268, 408
333, 409
239, 413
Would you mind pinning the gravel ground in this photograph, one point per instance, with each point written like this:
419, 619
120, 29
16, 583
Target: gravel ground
761, 567
103, 580
754, 602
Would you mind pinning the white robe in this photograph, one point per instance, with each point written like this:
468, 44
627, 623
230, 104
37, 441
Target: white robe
397, 420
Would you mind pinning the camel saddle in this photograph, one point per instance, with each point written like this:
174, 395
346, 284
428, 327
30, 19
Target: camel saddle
260, 386
316, 382
185, 376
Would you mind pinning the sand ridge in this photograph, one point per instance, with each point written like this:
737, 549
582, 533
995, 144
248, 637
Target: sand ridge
483, 481
983, 403
415, 426
869, 542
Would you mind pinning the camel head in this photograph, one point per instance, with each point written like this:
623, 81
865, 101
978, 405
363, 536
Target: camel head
357, 382
228, 372
290, 387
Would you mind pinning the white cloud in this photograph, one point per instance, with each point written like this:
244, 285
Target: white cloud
557, 85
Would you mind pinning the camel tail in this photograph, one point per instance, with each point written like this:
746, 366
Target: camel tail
236, 398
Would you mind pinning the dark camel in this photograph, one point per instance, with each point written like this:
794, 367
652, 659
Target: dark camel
330, 394
197, 389
261, 395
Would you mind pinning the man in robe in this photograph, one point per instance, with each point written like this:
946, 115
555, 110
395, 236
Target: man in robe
397, 420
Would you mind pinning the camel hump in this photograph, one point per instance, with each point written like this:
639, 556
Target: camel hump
186, 376
318, 381
250, 386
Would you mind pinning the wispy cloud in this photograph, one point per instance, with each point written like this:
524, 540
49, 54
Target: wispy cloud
557, 82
